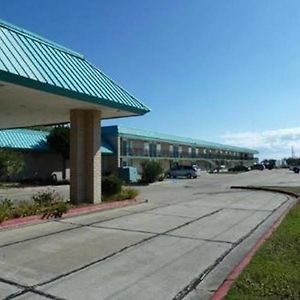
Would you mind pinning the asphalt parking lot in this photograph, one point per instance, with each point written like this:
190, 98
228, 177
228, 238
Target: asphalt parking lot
180, 244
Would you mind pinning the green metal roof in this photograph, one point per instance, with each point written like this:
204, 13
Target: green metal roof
151, 135
32, 61
26, 139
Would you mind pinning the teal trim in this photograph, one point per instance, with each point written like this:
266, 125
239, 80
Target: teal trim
29, 60
15, 79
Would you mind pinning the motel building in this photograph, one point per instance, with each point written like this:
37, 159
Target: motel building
133, 146
43, 83
123, 147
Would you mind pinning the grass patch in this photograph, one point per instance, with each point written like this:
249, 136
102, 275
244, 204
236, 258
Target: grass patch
274, 271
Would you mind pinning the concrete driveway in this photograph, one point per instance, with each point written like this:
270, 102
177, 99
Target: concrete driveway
180, 244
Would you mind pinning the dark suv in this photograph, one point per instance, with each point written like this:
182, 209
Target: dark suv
257, 167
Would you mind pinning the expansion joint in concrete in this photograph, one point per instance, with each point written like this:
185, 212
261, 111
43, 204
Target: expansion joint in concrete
121, 250
196, 281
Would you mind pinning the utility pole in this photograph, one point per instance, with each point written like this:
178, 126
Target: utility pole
293, 152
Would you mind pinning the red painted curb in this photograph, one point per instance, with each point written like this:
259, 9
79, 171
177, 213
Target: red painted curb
223, 289
30, 220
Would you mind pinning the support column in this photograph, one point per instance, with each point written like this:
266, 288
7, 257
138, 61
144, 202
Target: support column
85, 156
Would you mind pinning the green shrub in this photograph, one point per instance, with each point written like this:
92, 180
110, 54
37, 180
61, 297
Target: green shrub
111, 185
152, 171
6, 203
11, 162
25, 209
128, 193
3, 215
161, 177
5, 209
46, 197
56, 209
49, 203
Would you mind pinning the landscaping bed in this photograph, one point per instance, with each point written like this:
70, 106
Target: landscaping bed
274, 271
83, 209
49, 204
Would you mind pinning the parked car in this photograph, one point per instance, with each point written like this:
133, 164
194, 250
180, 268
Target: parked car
269, 164
239, 169
260, 167
296, 169
183, 171
218, 169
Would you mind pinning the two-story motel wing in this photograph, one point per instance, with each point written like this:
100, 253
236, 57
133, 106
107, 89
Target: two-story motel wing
132, 146
123, 146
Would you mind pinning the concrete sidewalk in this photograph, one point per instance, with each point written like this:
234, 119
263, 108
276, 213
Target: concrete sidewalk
156, 250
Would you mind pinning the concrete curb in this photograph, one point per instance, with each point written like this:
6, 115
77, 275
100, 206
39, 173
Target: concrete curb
257, 188
223, 289
30, 220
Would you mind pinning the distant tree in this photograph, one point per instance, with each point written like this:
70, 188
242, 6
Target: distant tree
293, 161
11, 163
58, 141
269, 163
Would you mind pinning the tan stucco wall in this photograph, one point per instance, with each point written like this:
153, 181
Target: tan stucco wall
39, 165
138, 144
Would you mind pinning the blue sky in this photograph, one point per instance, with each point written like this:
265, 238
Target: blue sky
225, 71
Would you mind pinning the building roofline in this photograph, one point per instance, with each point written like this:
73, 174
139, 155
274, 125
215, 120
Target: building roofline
37, 37
151, 135
33, 140
30, 60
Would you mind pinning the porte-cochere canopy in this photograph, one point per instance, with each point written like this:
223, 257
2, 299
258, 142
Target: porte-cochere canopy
44, 83
40, 82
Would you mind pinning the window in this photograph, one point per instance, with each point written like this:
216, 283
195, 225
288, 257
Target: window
124, 150
193, 150
176, 151
153, 149
158, 149
130, 148
171, 148
146, 148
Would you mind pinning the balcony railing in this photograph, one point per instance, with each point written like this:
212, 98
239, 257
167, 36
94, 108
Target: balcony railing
140, 152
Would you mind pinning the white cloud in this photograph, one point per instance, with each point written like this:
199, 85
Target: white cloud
270, 143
